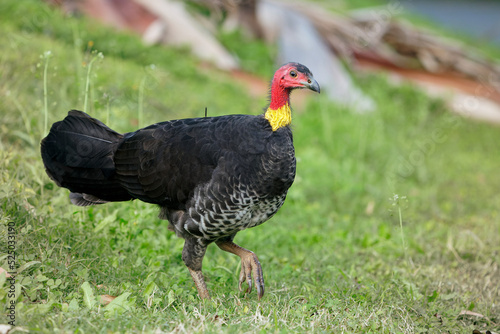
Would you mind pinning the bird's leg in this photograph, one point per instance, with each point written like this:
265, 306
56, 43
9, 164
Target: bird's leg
250, 265
192, 255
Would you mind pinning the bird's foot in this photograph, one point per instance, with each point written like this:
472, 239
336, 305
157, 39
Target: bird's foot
250, 266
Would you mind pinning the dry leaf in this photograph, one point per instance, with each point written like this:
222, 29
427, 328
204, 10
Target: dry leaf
4, 329
106, 299
5, 271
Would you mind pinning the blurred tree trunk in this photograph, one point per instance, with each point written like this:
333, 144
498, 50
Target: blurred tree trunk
247, 16
242, 14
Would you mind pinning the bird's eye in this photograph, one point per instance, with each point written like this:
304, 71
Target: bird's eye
293, 74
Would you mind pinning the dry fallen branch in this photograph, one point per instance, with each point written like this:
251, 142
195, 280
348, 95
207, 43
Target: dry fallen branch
399, 44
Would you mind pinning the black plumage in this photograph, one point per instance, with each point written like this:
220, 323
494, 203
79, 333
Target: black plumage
212, 177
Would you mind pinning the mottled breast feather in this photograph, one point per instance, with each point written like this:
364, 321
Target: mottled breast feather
223, 173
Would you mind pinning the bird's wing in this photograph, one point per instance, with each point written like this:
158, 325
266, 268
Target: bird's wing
164, 163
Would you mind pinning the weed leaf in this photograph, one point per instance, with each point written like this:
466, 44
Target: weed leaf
171, 297
149, 289
106, 221
88, 295
119, 304
27, 265
3, 278
73, 305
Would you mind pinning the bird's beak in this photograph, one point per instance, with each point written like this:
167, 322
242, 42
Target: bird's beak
312, 84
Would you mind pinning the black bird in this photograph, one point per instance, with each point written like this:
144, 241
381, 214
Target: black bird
212, 177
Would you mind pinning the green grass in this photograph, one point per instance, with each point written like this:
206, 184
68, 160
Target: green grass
343, 255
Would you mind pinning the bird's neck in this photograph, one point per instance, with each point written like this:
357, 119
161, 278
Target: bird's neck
279, 113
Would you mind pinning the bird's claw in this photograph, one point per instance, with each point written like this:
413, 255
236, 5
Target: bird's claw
250, 267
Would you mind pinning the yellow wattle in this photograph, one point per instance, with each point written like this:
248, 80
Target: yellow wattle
280, 117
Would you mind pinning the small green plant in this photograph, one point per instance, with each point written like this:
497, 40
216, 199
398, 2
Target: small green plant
95, 55
46, 57
397, 202
140, 107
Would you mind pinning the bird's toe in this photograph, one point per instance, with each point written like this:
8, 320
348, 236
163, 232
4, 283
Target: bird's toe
246, 276
251, 270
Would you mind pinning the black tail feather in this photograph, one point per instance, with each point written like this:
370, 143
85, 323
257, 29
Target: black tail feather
85, 199
78, 155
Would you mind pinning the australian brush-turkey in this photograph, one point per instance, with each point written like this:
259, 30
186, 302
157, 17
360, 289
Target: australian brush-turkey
212, 177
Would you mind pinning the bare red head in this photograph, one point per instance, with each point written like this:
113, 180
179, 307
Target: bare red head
287, 77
